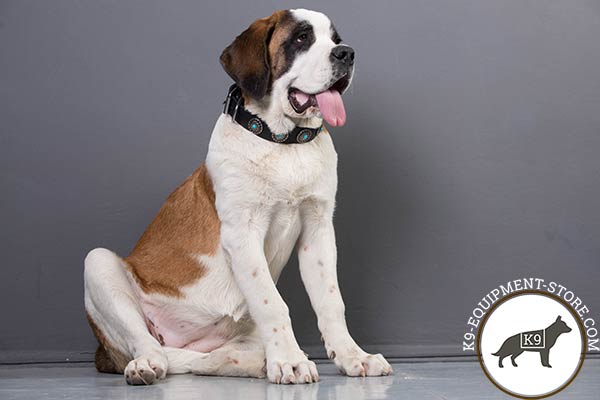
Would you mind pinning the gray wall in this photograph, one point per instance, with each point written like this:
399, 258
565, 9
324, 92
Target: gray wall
470, 157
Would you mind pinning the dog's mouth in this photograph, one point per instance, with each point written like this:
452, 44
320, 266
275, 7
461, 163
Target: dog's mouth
329, 101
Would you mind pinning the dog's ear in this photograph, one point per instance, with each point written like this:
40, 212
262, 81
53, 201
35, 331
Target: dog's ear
246, 60
558, 319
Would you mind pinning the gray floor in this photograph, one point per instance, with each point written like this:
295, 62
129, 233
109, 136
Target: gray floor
411, 380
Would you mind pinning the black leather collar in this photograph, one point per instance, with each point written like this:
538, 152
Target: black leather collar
234, 106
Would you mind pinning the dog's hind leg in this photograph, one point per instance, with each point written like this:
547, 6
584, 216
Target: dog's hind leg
241, 357
500, 358
220, 362
514, 356
118, 321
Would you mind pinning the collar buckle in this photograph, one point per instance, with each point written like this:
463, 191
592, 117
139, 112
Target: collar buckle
235, 94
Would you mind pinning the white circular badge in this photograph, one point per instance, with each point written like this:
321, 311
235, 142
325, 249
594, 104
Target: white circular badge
531, 344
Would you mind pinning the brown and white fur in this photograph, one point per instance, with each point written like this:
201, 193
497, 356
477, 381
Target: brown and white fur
197, 294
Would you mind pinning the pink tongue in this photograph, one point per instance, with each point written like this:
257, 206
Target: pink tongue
332, 107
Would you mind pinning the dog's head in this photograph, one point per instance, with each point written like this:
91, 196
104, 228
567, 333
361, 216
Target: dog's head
561, 326
294, 62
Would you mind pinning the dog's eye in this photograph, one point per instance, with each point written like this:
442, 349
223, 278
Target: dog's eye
301, 38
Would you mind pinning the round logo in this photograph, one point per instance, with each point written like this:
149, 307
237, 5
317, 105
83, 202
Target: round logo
531, 344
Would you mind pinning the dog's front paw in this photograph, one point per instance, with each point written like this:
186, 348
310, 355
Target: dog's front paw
359, 363
146, 370
289, 370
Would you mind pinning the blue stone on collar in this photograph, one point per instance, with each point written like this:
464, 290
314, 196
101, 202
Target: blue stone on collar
279, 137
304, 136
255, 126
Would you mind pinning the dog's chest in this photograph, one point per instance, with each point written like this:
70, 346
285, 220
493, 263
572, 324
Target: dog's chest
267, 178
283, 231
266, 185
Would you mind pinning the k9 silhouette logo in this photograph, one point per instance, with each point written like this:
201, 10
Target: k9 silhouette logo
543, 338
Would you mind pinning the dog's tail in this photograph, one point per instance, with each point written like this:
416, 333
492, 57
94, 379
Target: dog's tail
497, 354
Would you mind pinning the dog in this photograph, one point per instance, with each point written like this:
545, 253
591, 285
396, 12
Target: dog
197, 293
541, 341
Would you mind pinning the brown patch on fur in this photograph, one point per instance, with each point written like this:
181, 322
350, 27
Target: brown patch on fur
187, 225
254, 273
332, 289
284, 28
274, 329
247, 59
266, 301
320, 263
257, 57
107, 358
332, 355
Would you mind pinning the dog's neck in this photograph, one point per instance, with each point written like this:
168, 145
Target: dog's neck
273, 114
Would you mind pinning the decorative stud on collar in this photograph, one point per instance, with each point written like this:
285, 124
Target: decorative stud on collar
280, 137
255, 126
234, 106
304, 136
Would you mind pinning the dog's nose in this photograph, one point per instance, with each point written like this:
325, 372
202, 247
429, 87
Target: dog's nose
344, 54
